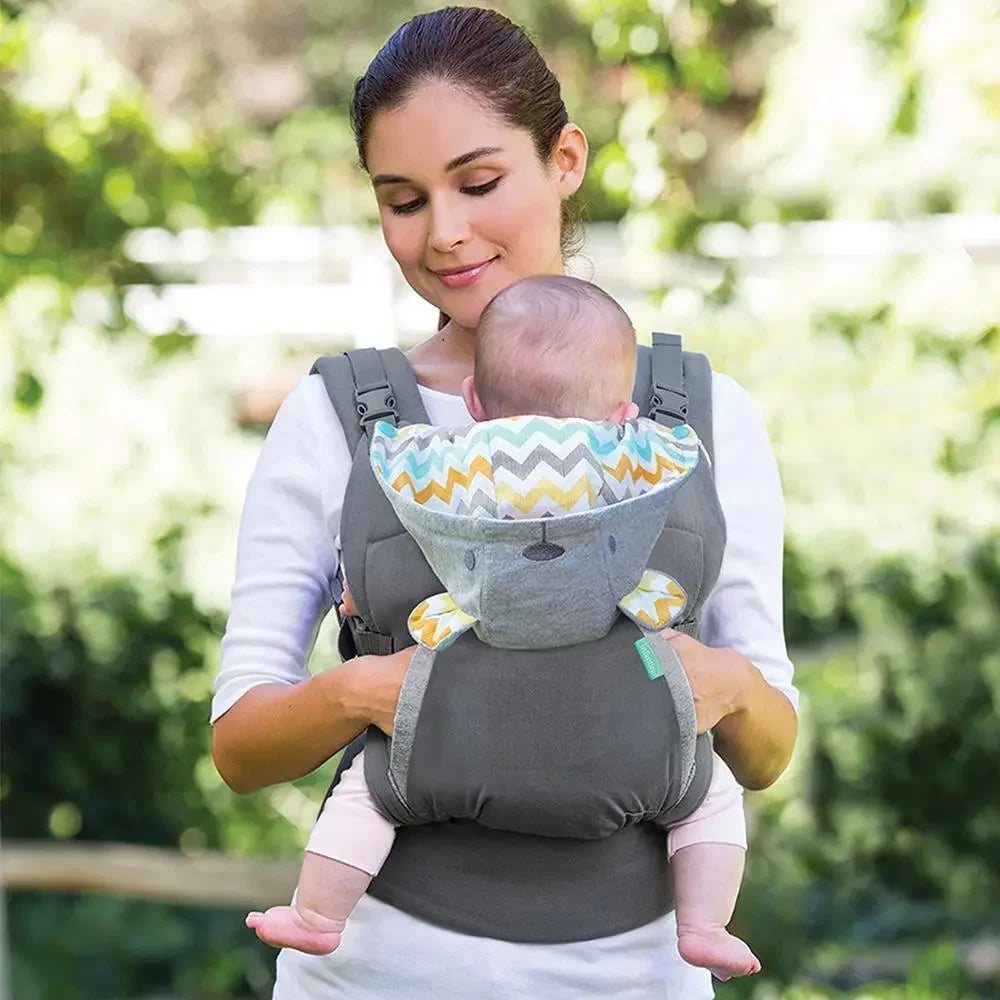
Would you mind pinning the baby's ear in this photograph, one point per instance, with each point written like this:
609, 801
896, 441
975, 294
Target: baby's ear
656, 602
472, 401
437, 622
622, 412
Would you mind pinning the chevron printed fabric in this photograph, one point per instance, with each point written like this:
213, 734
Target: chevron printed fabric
529, 467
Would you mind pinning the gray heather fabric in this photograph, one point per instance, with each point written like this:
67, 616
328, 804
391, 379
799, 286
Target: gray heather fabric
498, 883
525, 604
404, 727
575, 741
570, 691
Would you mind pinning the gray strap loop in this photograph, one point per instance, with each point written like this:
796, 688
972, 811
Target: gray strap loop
668, 402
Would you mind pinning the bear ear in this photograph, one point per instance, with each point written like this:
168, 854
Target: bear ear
656, 602
437, 622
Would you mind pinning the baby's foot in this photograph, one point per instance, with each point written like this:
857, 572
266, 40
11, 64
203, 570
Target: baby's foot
715, 949
287, 927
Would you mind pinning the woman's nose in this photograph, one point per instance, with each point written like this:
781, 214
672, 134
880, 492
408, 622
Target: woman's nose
449, 228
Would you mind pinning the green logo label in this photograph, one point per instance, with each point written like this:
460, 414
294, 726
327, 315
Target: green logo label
650, 661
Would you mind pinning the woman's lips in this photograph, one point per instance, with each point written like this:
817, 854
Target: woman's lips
460, 277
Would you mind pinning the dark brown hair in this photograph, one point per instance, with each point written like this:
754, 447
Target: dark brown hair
484, 54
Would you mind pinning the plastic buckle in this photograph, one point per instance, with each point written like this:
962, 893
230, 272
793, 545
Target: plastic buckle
375, 402
667, 402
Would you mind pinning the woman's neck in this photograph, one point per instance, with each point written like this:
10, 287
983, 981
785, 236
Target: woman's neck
444, 360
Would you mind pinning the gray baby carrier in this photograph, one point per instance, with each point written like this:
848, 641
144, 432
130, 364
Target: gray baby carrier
534, 785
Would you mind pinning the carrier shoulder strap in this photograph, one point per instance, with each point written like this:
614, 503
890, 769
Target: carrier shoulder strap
674, 386
367, 385
364, 386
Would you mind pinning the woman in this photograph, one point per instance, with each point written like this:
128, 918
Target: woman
463, 131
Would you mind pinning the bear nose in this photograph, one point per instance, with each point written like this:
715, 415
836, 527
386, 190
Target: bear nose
542, 551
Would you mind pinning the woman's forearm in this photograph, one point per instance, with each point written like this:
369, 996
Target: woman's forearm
756, 739
279, 732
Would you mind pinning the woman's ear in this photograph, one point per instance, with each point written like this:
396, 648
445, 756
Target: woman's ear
570, 159
471, 397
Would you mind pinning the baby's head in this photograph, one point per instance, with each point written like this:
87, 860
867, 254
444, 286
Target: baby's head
553, 346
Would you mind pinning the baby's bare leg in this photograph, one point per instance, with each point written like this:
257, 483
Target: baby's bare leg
348, 845
706, 884
328, 892
706, 862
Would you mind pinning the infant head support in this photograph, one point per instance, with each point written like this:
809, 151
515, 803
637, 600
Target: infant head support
539, 527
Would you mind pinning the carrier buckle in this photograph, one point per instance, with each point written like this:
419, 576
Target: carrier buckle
375, 402
668, 403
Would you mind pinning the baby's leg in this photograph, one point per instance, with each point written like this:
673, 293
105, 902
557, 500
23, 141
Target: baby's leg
348, 845
706, 862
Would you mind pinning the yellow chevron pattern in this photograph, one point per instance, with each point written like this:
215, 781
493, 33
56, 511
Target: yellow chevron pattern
437, 622
629, 468
656, 602
530, 467
528, 500
455, 477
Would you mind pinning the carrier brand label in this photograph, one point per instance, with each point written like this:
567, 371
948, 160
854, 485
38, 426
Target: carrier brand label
650, 661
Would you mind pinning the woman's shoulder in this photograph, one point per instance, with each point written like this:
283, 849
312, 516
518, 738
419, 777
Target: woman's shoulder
738, 421
307, 407
731, 400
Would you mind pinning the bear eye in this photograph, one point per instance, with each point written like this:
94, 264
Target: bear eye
612, 544
470, 559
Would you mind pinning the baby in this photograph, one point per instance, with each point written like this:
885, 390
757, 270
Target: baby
562, 348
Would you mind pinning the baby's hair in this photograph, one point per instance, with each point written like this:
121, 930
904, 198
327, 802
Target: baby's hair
556, 346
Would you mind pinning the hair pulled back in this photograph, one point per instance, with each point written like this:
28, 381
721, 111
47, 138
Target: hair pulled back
485, 55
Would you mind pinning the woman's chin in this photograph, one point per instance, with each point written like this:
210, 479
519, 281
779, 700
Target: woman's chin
464, 314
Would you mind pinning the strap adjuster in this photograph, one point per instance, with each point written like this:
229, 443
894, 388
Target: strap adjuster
375, 402
665, 401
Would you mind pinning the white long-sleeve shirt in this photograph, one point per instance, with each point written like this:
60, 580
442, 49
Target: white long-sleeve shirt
288, 550
287, 559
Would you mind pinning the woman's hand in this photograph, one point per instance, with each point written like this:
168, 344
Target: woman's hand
376, 680
754, 724
374, 686
719, 678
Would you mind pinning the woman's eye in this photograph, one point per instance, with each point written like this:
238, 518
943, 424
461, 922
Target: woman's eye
408, 207
480, 189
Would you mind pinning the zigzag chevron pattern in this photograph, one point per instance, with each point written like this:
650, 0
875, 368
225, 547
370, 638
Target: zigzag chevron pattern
656, 602
437, 622
530, 467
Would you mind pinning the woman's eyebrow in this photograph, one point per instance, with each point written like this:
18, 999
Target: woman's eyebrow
473, 154
459, 161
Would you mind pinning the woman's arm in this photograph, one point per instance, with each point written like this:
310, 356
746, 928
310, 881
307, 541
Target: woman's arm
279, 732
741, 676
756, 739
271, 721
755, 724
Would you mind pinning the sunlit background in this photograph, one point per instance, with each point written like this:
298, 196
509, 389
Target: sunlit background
809, 191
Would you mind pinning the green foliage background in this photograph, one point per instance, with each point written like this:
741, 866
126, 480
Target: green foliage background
877, 858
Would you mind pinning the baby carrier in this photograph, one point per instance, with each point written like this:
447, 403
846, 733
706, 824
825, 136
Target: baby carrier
520, 826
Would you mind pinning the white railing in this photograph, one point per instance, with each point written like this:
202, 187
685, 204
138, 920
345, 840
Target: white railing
339, 284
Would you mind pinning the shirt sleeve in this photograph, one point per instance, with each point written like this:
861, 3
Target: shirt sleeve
285, 557
744, 609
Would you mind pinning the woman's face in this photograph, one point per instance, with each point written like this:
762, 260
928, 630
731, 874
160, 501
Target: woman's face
465, 204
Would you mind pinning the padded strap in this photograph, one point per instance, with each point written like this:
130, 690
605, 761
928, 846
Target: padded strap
368, 385
364, 386
673, 386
